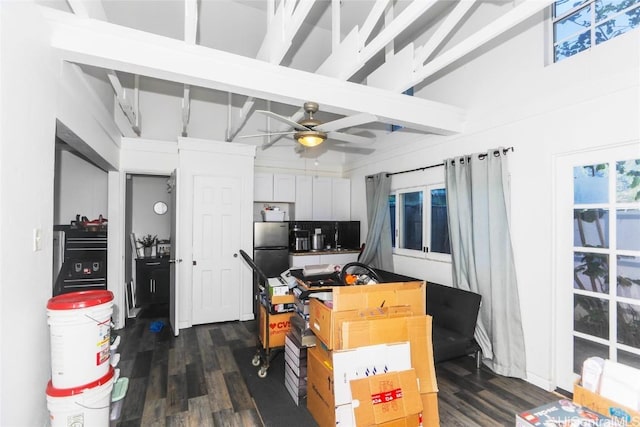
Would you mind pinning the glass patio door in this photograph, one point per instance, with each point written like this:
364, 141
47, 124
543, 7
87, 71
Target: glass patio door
598, 262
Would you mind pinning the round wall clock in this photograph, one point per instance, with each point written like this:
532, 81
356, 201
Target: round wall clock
160, 208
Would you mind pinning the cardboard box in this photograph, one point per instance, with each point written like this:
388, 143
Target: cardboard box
329, 375
386, 397
326, 323
415, 329
412, 294
278, 327
430, 413
320, 398
620, 414
561, 413
366, 361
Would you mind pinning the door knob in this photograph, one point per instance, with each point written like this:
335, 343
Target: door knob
235, 255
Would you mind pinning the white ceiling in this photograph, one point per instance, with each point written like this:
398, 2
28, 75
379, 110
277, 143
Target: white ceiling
212, 104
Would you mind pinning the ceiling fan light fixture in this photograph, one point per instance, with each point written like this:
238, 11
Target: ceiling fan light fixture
310, 138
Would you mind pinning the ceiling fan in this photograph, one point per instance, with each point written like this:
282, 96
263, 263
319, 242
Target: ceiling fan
310, 132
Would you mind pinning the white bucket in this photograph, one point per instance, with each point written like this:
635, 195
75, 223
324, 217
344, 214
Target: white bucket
84, 406
80, 329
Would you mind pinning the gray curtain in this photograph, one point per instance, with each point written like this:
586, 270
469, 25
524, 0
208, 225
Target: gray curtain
482, 256
377, 251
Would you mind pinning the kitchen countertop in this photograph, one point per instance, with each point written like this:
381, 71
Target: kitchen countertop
326, 252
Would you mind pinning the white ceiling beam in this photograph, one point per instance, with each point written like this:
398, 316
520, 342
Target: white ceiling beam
127, 108
190, 37
400, 67
274, 49
515, 16
335, 24
105, 45
88, 9
450, 22
93, 10
372, 19
191, 21
351, 56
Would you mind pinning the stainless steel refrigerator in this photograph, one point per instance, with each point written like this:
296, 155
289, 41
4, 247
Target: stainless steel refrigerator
271, 247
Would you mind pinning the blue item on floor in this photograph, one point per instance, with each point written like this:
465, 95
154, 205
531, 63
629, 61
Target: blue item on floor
156, 326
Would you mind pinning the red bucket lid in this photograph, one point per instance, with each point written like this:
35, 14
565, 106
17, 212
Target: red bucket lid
66, 392
81, 299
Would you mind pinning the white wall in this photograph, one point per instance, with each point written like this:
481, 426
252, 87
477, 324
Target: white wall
36, 90
27, 130
81, 189
146, 191
588, 101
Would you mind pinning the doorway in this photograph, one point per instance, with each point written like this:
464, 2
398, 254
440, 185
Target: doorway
598, 259
148, 245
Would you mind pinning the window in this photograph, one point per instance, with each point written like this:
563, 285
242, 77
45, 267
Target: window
580, 24
419, 224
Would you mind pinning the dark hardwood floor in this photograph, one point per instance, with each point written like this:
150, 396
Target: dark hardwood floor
193, 380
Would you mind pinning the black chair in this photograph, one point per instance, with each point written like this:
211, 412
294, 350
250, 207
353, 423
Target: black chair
455, 313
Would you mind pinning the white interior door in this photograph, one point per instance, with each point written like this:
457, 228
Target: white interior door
174, 262
597, 259
217, 205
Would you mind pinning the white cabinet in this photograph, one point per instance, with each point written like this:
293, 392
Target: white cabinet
284, 188
299, 261
322, 199
304, 198
316, 198
339, 259
331, 199
340, 199
262, 187
270, 187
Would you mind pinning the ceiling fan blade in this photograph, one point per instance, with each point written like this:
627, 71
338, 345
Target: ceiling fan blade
345, 122
283, 119
347, 137
266, 134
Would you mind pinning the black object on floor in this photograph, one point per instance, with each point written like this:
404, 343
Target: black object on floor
275, 405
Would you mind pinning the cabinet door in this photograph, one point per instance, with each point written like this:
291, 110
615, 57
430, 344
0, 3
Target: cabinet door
304, 198
284, 188
160, 281
322, 198
263, 187
341, 199
143, 284
299, 261
339, 259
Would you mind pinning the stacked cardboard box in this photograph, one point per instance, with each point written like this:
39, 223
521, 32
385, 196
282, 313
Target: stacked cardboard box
295, 373
373, 365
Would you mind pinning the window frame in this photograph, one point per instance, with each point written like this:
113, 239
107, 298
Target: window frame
425, 252
592, 28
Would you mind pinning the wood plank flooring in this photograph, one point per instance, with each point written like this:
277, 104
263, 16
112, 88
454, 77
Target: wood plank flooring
193, 380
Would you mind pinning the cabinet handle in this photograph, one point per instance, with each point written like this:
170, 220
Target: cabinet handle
153, 263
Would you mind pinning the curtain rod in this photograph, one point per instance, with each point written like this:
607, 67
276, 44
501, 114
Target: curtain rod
481, 156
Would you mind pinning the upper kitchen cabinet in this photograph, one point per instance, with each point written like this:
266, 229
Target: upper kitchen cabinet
322, 199
304, 198
340, 199
331, 199
270, 187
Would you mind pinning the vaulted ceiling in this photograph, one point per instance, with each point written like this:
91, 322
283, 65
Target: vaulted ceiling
203, 67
